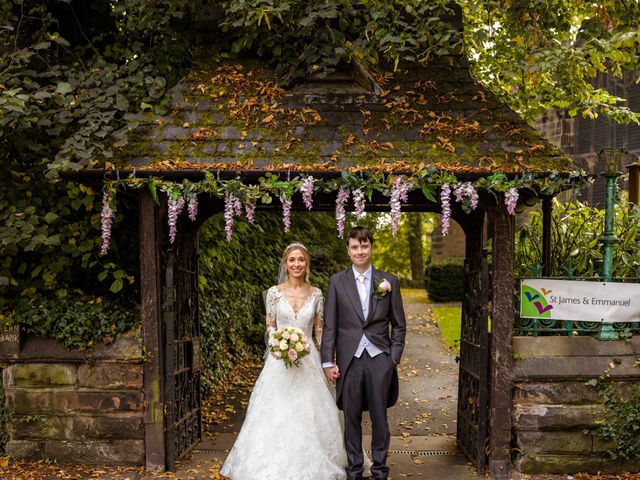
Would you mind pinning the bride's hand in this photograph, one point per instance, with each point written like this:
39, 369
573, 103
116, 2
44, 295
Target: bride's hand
332, 373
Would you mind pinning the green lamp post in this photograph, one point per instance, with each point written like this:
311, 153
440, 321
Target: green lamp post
610, 157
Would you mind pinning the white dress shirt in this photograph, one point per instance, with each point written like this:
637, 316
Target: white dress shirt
365, 344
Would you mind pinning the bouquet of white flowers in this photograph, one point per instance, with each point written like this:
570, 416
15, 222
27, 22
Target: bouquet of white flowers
289, 344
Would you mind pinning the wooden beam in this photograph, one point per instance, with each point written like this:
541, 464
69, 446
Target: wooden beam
501, 337
151, 301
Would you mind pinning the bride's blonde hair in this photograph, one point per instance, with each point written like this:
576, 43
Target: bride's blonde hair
284, 274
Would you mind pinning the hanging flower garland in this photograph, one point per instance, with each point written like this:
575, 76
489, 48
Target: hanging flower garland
175, 208
467, 196
240, 198
445, 199
511, 200
232, 208
307, 192
399, 194
341, 215
249, 211
106, 219
287, 202
192, 206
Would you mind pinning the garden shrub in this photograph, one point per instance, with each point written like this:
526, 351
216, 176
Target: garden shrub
576, 247
444, 280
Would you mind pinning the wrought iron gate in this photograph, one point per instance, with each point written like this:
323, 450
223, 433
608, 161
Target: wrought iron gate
182, 349
473, 391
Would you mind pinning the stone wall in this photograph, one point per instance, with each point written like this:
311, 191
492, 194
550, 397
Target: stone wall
553, 409
71, 408
451, 246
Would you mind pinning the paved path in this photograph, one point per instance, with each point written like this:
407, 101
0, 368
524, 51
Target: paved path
422, 423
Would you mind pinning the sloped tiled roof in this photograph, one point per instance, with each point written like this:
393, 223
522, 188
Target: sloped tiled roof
232, 115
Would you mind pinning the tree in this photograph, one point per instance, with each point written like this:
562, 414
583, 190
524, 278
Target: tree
534, 55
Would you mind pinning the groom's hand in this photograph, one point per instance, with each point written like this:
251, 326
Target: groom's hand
332, 373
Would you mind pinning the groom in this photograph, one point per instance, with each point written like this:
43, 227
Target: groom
364, 326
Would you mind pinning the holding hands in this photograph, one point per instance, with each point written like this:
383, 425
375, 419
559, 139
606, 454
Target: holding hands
332, 373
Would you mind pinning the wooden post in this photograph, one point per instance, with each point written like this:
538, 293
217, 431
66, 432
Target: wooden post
151, 301
547, 214
501, 359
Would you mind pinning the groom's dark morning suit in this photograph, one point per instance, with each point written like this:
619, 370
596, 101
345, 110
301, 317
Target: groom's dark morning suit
366, 382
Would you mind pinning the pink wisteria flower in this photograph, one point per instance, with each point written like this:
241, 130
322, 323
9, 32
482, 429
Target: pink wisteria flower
106, 221
175, 208
232, 207
445, 200
511, 200
286, 211
399, 194
249, 210
359, 203
467, 195
192, 206
341, 215
307, 192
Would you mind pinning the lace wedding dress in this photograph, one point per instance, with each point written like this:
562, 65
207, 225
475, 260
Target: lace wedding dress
292, 430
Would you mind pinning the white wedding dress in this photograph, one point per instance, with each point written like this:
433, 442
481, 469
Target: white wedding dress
292, 429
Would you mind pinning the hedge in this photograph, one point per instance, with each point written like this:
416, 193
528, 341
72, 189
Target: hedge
444, 280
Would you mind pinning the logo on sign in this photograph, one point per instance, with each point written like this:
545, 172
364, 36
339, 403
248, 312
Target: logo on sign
534, 303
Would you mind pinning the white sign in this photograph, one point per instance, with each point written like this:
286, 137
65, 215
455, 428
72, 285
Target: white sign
579, 301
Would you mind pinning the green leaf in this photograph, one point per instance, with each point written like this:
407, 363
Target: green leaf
153, 189
116, 286
51, 217
63, 88
426, 191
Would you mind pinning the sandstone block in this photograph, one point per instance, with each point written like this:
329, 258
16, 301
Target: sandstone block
96, 402
43, 374
28, 402
571, 463
585, 367
124, 349
109, 427
580, 346
111, 376
24, 449
554, 392
41, 427
562, 441
557, 417
117, 453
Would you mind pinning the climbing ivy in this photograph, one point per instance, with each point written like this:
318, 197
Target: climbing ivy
621, 427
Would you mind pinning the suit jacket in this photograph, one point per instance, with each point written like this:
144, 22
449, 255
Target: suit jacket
344, 325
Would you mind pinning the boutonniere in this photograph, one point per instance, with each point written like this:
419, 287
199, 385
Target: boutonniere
382, 288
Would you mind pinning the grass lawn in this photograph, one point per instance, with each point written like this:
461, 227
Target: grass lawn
415, 295
448, 319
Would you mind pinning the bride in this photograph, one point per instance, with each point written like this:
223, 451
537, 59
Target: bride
292, 429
